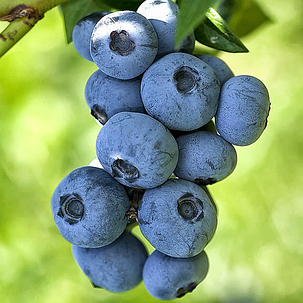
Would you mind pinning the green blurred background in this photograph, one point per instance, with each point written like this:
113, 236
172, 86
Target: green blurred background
46, 131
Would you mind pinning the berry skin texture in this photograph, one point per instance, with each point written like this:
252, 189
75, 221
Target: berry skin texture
243, 110
219, 66
124, 44
82, 33
116, 267
181, 91
163, 16
89, 207
107, 96
177, 218
166, 278
137, 150
205, 158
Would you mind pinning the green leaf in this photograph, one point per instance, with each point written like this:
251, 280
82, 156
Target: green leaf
243, 16
74, 10
214, 32
191, 13
124, 4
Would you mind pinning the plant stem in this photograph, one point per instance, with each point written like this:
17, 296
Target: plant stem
22, 15
14, 32
40, 5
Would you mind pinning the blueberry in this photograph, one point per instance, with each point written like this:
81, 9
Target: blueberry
205, 158
82, 33
89, 207
219, 66
116, 267
177, 218
107, 96
181, 91
166, 278
243, 110
163, 16
124, 44
137, 150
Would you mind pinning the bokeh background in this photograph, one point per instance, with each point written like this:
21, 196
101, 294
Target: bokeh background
46, 131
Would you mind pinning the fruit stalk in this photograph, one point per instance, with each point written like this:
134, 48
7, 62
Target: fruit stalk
21, 17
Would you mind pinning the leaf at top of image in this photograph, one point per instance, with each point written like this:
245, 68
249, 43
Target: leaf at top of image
191, 13
74, 10
215, 32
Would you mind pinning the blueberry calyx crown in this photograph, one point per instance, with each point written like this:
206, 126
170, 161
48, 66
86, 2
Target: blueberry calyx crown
71, 208
190, 207
182, 291
99, 113
186, 79
125, 170
121, 42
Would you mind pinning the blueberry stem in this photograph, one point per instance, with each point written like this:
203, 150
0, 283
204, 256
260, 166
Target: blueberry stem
21, 19
132, 212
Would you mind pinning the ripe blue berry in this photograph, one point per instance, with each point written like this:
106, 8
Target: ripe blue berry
177, 218
137, 150
116, 267
107, 96
89, 207
243, 110
124, 44
204, 158
166, 278
181, 91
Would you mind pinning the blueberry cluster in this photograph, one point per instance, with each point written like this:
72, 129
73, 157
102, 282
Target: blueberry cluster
157, 150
